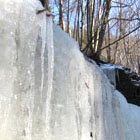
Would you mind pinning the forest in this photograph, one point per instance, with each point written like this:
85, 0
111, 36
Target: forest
105, 29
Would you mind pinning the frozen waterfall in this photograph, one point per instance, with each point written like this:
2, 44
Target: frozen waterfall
48, 91
110, 72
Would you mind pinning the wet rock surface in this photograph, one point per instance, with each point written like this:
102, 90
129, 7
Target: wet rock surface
127, 82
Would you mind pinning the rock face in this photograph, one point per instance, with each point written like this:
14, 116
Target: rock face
46, 95
128, 83
125, 80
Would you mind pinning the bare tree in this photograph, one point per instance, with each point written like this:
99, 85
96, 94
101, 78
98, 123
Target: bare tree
108, 50
96, 30
68, 17
61, 18
97, 18
82, 23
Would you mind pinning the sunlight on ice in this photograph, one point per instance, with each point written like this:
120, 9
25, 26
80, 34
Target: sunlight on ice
53, 93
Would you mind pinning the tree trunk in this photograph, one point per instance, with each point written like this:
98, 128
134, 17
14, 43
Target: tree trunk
82, 23
78, 19
68, 18
103, 28
109, 49
61, 18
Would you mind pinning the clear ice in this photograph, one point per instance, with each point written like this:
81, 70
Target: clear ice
48, 91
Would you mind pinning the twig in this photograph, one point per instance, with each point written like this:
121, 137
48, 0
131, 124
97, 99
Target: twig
120, 38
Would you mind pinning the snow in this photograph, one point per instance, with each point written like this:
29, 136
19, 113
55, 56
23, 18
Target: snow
48, 90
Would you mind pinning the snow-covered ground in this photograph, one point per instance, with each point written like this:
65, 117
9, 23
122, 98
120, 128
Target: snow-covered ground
46, 95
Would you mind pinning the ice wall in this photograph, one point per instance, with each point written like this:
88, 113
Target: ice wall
98, 107
26, 64
46, 95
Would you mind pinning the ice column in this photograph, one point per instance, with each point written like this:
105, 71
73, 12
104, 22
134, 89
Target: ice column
110, 72
47, 57
49, 44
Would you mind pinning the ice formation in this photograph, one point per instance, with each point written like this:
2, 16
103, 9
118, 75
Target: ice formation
54, 94
110, 72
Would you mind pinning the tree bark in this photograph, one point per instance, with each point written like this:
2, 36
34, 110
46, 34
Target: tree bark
82, 23
109, 49
103, 27
68, 17
61, 18
78, 19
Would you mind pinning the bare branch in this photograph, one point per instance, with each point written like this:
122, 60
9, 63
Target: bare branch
125, 19
121, 38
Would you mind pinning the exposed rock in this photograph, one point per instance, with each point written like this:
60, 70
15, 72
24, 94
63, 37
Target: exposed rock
128, 83
125, 80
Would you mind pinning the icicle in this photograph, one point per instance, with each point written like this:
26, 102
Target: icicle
49, 44
43, 34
